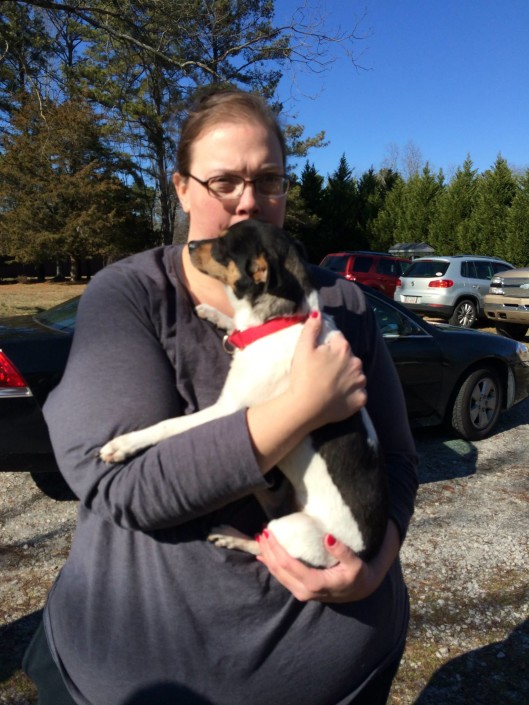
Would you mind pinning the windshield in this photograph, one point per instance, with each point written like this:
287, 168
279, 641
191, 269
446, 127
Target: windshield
60, 317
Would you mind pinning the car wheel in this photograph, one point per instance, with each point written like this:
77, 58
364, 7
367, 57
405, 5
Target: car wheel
477, 405
516, 331
464, 314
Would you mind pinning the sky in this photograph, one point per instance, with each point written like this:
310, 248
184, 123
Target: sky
443, 79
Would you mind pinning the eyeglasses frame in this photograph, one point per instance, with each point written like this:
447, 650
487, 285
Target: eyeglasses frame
244, 181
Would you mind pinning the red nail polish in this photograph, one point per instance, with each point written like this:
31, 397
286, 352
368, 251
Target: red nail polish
330, 540
314, 314
265, 533
257, 538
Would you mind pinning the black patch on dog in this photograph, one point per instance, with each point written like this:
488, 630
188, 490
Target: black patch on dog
357, 470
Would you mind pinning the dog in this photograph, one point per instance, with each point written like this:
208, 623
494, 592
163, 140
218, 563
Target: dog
337, 475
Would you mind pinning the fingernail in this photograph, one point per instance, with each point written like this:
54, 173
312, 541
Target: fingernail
330, 540
265, 533
257, 537
314, 314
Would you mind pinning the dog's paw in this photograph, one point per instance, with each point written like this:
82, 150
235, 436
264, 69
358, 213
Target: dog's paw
116, 451
211, 314
228, 537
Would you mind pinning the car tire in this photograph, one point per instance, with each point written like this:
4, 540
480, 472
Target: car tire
477, 405
465, 314
516, 331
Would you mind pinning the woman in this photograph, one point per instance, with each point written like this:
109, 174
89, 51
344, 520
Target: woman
145, 610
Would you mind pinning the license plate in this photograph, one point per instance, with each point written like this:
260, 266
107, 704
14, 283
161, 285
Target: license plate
411, 299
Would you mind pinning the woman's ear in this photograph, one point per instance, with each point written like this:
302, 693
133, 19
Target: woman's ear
181, 187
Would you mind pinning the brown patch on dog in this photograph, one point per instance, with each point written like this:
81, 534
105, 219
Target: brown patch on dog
202, 259
259, 270
201, 254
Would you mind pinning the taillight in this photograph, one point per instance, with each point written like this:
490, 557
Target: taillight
10, 377
399, 283
441, 284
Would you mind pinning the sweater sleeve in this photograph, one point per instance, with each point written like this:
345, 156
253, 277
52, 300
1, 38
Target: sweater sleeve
119, 378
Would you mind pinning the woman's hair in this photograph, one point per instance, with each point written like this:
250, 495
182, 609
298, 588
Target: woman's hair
228, 105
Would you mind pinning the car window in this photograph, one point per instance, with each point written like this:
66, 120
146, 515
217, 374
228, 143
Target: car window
484, 270
61, 317
468, 270
393, 323
500, 267
362, 264
427, 269
388, 267
336, 263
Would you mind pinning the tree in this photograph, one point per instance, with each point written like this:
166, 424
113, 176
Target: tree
24, 47
453, 209
142, 62
386, 227
497, 188
372, 191
338, 211
59, 193
517, 226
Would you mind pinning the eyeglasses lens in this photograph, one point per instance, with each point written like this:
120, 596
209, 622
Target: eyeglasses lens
233, 186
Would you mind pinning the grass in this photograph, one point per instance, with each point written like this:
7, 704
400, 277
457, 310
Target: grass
31, 297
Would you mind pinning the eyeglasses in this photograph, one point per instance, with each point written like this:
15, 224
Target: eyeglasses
232, 186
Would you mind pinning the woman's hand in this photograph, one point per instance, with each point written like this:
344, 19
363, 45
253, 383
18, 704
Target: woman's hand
351, 579
326, 381
327, 384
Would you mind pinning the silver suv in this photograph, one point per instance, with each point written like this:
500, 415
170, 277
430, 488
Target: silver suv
449, 287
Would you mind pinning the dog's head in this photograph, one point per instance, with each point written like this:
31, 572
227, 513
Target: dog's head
259, 264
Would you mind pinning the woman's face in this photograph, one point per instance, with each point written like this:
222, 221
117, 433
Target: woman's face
242, 149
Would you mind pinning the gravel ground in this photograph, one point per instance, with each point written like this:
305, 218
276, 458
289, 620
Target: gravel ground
466, 561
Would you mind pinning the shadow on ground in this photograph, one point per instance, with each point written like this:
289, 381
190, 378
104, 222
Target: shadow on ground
495, 674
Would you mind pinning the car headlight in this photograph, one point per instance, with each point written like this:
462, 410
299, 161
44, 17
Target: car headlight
496, 286
523, 353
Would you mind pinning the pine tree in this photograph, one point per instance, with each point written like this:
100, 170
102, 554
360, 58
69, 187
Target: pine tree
452, 211
517, 226
59, 193
488, 223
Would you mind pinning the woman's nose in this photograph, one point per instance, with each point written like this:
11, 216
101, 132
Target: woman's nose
248, 202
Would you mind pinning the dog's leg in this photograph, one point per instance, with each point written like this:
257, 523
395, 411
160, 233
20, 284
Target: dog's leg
211, 314
122, 447
302, 536
228, 537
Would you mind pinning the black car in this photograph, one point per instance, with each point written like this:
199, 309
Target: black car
449, 374
33, 354
453, 375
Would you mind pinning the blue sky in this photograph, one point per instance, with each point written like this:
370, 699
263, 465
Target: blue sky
449, 77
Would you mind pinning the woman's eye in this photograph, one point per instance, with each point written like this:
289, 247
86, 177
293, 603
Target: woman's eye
224, 183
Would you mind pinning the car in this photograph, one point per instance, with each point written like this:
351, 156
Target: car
451, 288
507, 303
379, 270
33, 355
448, 374
459, 377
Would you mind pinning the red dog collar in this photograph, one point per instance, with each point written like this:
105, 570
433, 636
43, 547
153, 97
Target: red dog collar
242, 338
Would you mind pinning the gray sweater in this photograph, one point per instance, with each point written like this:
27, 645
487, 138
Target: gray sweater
145, 610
